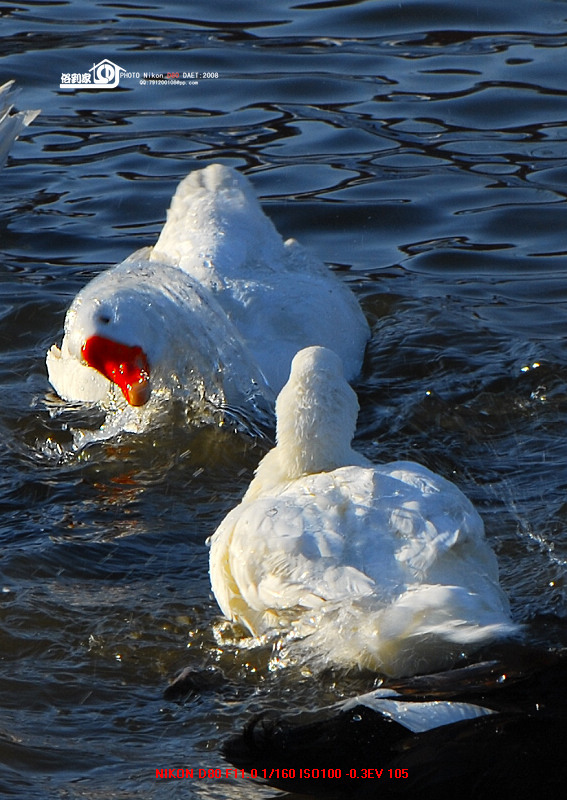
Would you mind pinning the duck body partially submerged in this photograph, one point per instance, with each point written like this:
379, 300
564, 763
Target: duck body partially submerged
220, 303
494, 728
359, 565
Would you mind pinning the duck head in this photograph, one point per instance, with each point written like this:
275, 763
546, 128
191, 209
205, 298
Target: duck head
316, 414
111, 327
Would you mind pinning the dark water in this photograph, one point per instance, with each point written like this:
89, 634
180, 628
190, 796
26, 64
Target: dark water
421, 148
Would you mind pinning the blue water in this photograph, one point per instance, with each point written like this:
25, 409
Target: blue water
418, 147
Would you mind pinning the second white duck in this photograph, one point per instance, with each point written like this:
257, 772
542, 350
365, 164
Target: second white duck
385, 567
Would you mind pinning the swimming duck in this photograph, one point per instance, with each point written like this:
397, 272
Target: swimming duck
352, 564
493, 728
11, 123
217, 308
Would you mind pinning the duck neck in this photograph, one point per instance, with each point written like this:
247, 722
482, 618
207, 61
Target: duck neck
315, 430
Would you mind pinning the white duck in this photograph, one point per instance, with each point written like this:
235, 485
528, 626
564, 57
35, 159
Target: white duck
11, 123
385, 567
218, 308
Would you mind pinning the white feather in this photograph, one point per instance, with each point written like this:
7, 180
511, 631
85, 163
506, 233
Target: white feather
417, 716
220, 302
380, 566
11, 122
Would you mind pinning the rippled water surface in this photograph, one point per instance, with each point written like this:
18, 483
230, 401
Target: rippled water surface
418, 147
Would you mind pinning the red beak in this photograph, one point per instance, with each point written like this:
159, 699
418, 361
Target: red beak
125, 366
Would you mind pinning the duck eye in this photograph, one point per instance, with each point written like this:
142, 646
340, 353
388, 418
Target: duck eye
104, 319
